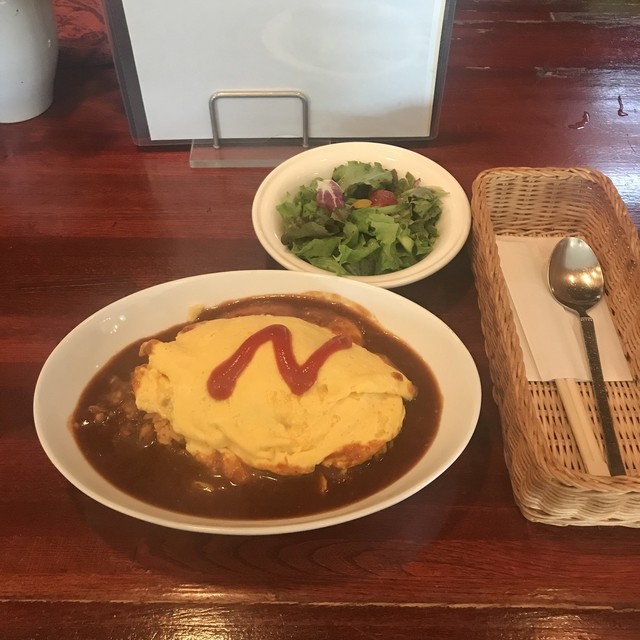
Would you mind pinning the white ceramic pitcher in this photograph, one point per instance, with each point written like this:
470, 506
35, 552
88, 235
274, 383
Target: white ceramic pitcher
28, 58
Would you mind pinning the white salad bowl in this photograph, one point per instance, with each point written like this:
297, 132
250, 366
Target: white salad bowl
94, 342
301, 169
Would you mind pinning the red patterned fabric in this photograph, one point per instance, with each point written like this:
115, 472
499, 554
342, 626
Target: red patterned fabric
82, 32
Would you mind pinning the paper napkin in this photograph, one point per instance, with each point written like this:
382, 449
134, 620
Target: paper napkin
550, 335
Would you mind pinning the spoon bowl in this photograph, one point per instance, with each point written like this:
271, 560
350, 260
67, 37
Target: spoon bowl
576, 281
575, 275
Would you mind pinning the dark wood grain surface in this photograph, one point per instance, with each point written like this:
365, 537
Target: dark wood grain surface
86, 218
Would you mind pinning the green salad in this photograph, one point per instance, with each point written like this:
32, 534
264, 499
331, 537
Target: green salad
365, 220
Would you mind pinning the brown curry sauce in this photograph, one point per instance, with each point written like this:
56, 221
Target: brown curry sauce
167, 476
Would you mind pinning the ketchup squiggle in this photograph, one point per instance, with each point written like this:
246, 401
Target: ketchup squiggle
299, 377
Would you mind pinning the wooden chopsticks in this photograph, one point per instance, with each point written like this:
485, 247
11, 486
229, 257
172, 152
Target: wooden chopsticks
582, 427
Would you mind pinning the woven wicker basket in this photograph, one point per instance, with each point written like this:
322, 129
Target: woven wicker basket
549, 481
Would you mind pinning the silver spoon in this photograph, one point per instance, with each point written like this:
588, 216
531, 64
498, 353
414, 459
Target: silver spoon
576, 282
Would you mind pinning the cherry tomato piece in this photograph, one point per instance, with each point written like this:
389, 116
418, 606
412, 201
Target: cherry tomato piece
383, 198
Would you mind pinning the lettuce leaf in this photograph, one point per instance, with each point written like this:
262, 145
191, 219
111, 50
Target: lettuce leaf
351, 177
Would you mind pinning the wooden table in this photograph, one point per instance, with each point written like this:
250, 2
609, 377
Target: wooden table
86, 217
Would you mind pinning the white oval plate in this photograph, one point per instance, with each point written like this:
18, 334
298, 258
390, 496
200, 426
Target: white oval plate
301, 169
94, 341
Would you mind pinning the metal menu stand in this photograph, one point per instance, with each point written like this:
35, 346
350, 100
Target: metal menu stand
253, 82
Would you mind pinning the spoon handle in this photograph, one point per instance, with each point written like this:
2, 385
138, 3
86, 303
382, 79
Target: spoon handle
612, 448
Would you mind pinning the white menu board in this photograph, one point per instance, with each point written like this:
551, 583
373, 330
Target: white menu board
368, 68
